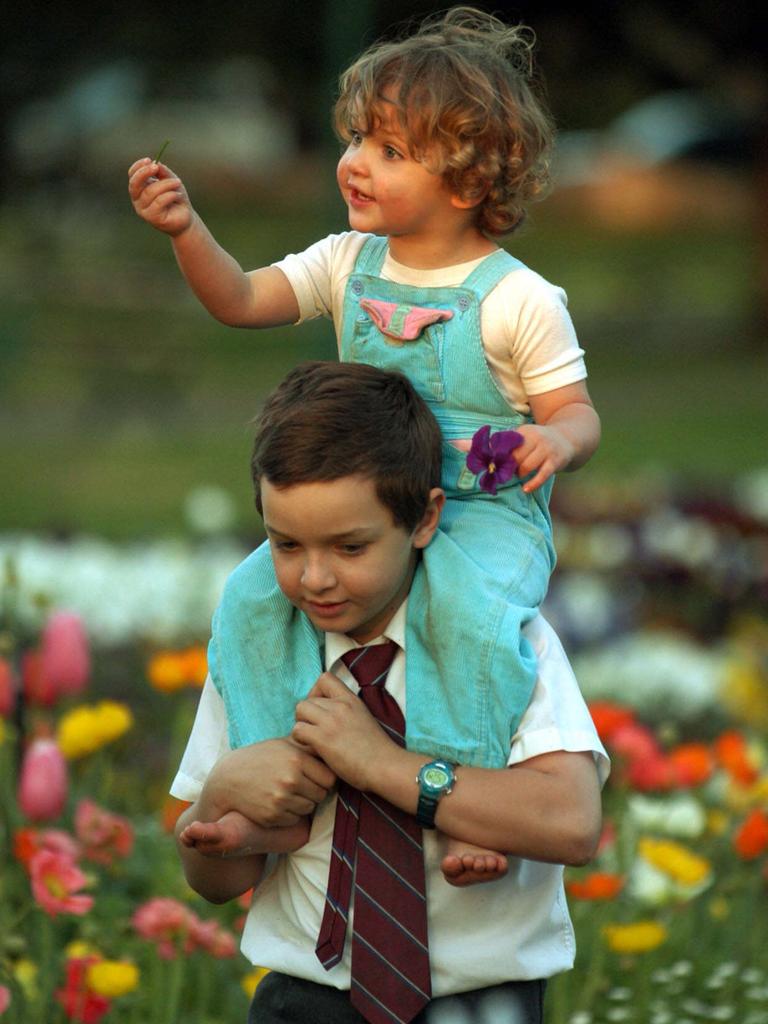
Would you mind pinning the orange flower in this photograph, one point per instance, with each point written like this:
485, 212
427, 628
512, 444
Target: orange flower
600, 885
732, 753
692, 763
169, 671
196, 664
170, 812
751, 840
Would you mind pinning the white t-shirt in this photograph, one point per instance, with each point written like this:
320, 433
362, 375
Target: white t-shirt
529, 340
516, 928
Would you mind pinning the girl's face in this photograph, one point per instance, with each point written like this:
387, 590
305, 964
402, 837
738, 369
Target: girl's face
389, 192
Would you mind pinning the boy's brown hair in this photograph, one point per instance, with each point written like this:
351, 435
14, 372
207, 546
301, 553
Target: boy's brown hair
330, 420
467, 105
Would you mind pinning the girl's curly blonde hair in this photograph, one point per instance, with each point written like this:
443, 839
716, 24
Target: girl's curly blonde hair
467, 103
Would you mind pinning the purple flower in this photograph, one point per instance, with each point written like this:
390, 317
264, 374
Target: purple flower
491, 455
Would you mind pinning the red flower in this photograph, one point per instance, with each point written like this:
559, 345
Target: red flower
7, 689
608, 717
38, 689
751, 840
105, 836
66, 661
692, 763
80, 1004
732, 753
29, 841
600, 885
56, 880
43, 783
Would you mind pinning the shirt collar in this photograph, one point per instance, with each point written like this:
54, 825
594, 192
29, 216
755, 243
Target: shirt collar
337, 644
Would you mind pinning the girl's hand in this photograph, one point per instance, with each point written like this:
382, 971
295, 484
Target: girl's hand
159, 197
335, 723
545, 450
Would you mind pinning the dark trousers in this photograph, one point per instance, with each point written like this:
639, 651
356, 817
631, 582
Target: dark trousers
281, 999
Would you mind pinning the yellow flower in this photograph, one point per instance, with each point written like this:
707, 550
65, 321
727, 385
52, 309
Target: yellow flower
112, 978
79, 950
2, 731
719, 908
675, 860
25, 972
718, 822
90, 726
641, 937
251, 981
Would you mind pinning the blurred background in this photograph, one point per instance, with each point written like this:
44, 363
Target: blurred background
120, 399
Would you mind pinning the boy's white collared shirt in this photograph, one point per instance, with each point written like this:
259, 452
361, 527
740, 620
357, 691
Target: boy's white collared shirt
523, 918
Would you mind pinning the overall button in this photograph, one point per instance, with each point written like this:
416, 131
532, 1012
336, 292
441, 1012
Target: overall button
357, 287
463, 303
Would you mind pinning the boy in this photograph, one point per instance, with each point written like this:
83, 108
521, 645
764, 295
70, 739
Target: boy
346, 469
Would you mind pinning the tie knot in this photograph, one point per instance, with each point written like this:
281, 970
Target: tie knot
370, 665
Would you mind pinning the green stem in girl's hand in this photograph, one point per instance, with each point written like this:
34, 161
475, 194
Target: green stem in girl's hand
163, 148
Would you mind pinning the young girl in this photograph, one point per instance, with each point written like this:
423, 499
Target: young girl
446, 144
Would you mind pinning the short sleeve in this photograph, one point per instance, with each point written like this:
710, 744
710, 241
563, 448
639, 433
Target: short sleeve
207, 743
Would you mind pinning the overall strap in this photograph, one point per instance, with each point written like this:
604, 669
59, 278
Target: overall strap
371, 256
487, 275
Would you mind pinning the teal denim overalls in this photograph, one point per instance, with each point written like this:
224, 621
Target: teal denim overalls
469, 671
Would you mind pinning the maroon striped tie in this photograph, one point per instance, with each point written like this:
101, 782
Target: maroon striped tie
382, 846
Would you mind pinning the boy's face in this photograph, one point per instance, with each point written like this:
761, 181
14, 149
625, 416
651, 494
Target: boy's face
338, 555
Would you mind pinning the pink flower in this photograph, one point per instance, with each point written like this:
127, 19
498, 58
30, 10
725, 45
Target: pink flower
56, 880
166, 922
104, 835
5, 998
43, 782
214, 939
66, 661
7, 689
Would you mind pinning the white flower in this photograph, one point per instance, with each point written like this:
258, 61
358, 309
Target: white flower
658, 673
680, 815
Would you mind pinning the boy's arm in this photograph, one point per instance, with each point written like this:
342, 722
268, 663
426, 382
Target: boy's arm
261, 298
546, 808
273, 783
565, 435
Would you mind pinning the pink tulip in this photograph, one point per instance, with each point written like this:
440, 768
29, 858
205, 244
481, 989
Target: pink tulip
43, 783
66, 661
7, 689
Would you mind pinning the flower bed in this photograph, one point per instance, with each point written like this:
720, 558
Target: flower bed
661, 601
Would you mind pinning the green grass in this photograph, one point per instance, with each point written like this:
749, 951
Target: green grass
118, 394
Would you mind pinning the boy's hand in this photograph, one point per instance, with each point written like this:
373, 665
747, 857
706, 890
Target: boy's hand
273, 783
335, 723
544, 451
159, 197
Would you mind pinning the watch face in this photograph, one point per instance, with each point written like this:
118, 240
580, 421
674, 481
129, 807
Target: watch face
435, 778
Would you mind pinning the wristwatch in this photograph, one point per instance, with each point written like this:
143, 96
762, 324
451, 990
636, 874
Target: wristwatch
436, 779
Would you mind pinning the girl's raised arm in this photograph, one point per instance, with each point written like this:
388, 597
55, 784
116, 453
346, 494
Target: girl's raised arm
261, 298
